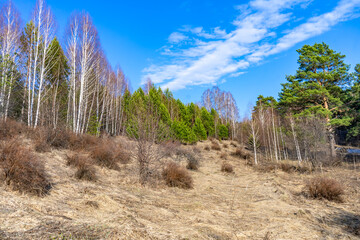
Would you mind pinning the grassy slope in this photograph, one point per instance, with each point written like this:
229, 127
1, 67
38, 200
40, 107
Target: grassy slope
244, 205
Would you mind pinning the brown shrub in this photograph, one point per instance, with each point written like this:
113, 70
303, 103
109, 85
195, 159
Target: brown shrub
11, 128
207, 148
108, 154
215, 146
227, 167
170, 148
321, 187
286, 167
41, 145
84, 169
225, 145
266, 167
177, 176
22, 171
295, 167
82, 141
242, 153
223, 155
85, 172
192, 162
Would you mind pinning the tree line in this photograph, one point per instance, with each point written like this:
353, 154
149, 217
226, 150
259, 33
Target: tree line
45, 82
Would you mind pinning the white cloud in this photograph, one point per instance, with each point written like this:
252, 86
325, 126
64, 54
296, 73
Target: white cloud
177, 37
217, 54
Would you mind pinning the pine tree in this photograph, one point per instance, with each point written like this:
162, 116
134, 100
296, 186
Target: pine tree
315, 89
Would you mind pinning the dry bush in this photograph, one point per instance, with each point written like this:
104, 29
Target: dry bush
170, 148
227, 167
41, 145
82, 141
223, 155
233, 144
192, 162
196, 150
22, 171
177, 176
58, 138
215, 146
242, 153
11, 128
266, 167
322, 187
295, 167
85, 171
207, 148
225, 145
105, 155
287, 167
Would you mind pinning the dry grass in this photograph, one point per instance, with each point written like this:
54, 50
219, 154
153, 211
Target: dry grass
225, 145
21, 170
224, 155
227, 167
177, 176
215, 146
233, 144
220, 206
207, 148
322, 187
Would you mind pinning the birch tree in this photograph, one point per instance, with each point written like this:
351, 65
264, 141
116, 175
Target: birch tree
9, 47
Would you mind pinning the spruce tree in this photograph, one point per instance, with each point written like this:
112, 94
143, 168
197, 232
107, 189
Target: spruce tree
199, 129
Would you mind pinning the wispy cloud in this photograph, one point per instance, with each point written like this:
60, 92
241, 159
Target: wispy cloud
216, 54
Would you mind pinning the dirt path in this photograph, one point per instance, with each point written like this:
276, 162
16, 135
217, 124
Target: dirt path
245, 205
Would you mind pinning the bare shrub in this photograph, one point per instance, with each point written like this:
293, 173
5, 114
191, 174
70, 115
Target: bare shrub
266, 167
286, 167
192, 162
105, 154
22, 171
177, 176
82, 142
215, 146
41, 145
242, 153
227, 167
223, 156
58, 138
85, 170
10, 128
322, 187
207, 148
170, 148
291, 167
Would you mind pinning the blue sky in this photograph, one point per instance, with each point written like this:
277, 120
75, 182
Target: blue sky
246, 47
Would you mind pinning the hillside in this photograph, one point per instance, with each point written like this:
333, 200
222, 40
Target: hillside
248, 204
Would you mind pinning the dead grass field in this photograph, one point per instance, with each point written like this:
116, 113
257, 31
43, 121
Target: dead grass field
246, 204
